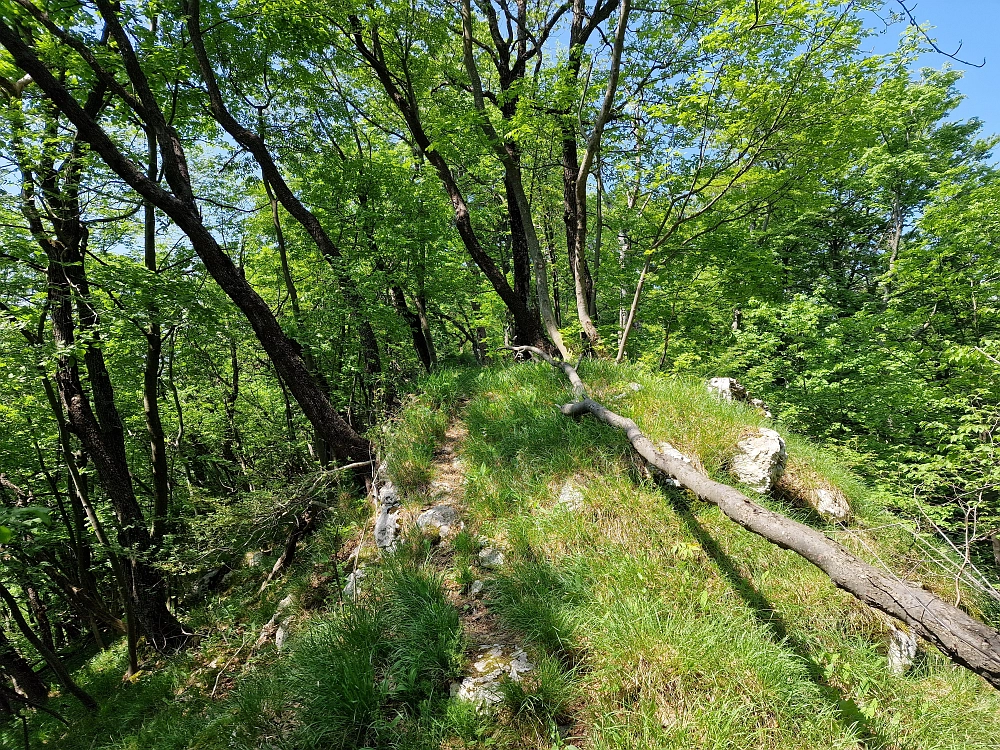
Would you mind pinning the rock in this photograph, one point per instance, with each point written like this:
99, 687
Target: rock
215, 579
490, 557
761, 460
830, 503
351, 587
253, 559
902, 647
728, 389
281, 635
760, 406
482, 686
272, 628
441, 518
387, 495
387, 529
571, 496
476, 589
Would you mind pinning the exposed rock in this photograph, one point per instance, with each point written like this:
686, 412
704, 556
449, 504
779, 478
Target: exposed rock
274, 626
902, 647
728, 389
387, 513
571, 496
387, 495
476, 589
353, 580
761, 407
216, 578
830, 503
490, 557
495, 663
281, 635
443, 519
387, 529
761, 460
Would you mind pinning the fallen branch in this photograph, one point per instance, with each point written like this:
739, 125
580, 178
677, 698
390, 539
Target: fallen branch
962, 638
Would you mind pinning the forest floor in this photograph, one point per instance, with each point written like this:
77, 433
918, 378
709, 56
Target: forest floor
648, 619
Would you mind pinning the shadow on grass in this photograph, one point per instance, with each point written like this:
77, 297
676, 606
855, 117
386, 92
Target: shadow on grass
849, 713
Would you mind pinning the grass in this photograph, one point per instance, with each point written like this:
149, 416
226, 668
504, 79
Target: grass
681, 629
653, 621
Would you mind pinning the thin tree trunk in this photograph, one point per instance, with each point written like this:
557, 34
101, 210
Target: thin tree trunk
55, 664
584, 284
630, 320
416, 329
26, 680
515, 188
151, 371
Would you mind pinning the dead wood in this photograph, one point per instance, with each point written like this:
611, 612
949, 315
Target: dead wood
954, 632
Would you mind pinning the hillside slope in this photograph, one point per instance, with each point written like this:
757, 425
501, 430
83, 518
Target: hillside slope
649, 619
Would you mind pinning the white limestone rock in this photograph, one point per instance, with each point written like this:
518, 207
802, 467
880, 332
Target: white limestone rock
902, 647
352, 585
387, 529
830, 503
571, 496
494, 663
490, 557
761, 460
728, 389
443, 519
281, 635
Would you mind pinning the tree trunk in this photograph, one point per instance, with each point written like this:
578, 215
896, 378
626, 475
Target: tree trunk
151, 371
100, 430
27, 682
55, 664
416, 328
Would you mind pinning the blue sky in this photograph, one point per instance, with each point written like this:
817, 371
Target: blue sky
976, 24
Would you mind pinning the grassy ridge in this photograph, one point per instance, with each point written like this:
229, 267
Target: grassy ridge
683, 630
654, 621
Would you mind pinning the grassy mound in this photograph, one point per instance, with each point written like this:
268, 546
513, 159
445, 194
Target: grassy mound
653, 621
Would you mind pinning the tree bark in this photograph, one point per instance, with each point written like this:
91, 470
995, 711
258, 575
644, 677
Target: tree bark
151, 371
962, 638
27, 682
582, 26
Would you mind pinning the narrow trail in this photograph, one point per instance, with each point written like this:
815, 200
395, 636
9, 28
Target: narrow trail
481, 625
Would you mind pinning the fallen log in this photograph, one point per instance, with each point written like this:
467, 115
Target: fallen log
954, 632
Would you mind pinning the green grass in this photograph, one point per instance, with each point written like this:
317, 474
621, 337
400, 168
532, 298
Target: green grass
653, 621
681, 629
